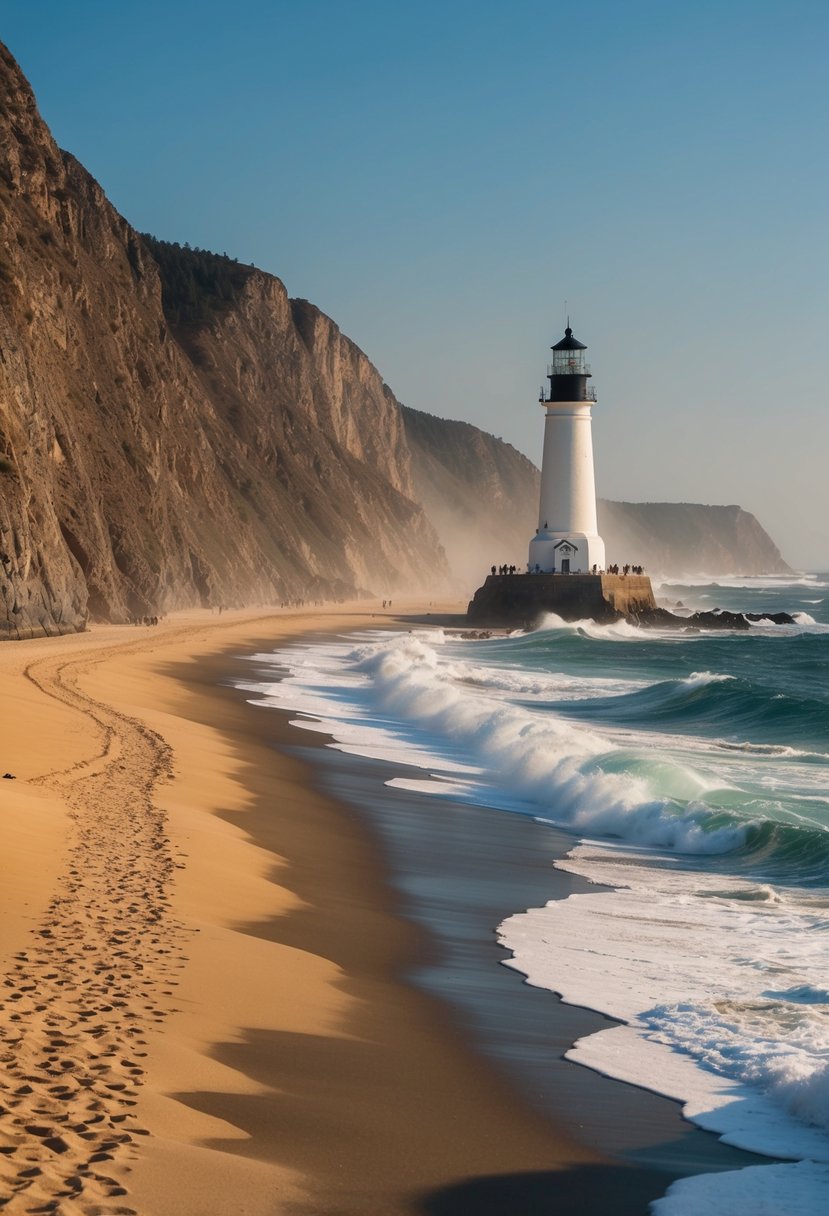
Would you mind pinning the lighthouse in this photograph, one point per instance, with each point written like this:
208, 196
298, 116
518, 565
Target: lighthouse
567, 539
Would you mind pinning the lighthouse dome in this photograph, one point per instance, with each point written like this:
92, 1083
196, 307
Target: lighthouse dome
568, 342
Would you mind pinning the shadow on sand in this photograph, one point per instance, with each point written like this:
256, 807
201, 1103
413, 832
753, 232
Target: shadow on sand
592, 1190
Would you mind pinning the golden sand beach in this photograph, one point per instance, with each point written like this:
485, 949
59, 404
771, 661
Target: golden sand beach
202, 1007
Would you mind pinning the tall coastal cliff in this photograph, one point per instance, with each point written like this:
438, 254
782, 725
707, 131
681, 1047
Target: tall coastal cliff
250, 454
176, 431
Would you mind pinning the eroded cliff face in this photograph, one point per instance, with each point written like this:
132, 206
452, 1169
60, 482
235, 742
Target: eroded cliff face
254, 457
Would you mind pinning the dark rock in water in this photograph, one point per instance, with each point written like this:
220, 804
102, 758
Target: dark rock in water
719, 618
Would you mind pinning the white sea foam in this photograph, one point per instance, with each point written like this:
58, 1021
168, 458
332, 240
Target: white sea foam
615, 631
741, 582
622, 631
721, 992
765, 749
699, 679
801, 1189
544, 685
803, 624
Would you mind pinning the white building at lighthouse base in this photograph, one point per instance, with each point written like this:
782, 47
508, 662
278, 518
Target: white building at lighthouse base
553, 552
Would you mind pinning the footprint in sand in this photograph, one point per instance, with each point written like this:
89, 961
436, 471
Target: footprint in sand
67, 1084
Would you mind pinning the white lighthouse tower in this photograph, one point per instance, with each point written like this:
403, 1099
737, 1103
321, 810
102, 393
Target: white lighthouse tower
567, 540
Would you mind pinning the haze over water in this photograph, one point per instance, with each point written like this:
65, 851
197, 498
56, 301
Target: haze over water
691, 769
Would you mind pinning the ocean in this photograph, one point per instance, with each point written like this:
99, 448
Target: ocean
691, 773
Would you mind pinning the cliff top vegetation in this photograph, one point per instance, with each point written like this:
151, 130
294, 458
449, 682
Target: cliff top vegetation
195, 283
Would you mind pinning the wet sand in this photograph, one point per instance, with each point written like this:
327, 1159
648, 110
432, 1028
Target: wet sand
205, 1004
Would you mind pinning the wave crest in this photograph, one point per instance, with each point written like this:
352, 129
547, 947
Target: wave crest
567, 773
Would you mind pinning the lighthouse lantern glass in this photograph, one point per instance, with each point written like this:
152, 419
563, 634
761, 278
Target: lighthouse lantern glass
569, 363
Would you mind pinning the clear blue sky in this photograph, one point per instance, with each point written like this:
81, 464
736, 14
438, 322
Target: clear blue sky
441, 177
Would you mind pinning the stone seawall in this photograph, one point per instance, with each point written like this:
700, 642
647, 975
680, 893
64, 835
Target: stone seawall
520, 599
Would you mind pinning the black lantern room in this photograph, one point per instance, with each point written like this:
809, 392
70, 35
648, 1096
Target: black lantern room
569, 372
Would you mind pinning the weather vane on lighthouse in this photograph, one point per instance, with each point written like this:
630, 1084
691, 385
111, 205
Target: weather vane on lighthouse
567, 539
